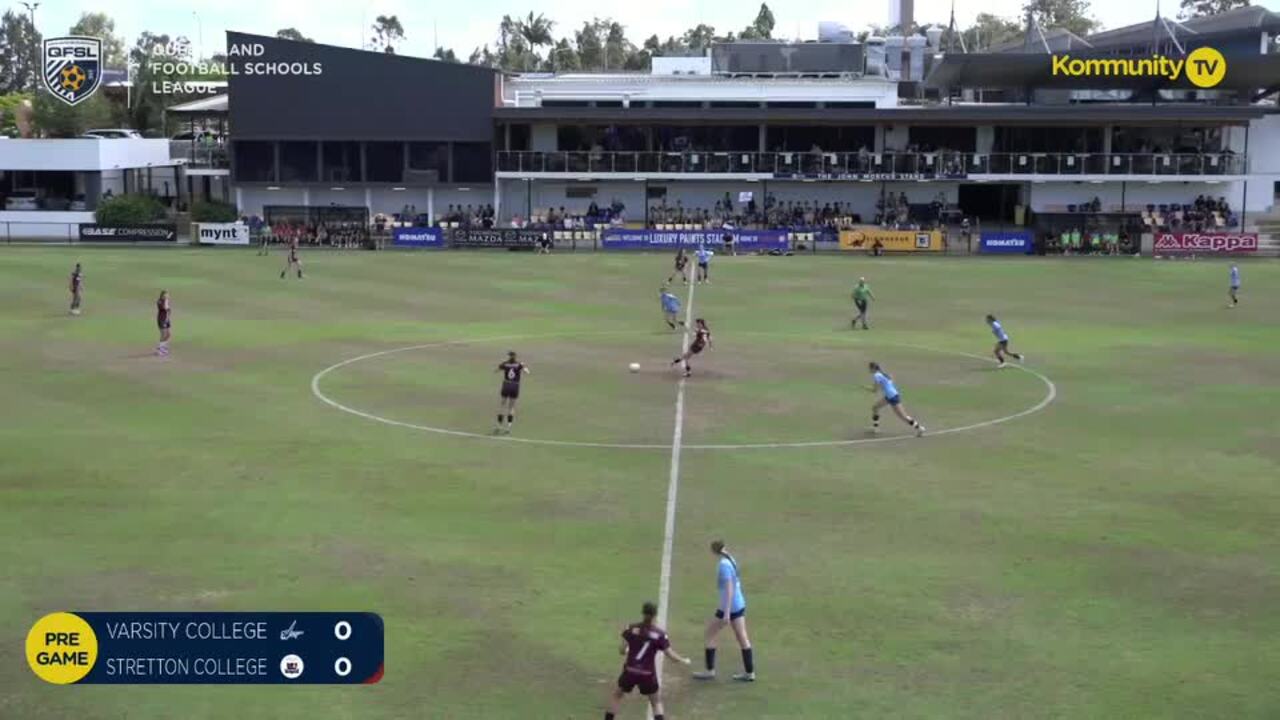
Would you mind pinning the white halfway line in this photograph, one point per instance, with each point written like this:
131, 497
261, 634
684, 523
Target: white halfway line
673, 486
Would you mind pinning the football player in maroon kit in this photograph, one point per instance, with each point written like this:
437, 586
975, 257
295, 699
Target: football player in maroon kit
641, 642
512, 371
293, 261
701, 341
164, 321
681, 261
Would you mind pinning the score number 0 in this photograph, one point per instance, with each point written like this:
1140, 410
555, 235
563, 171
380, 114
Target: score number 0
342, 631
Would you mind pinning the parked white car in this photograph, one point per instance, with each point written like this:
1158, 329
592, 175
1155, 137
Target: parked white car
113, 134
22, 200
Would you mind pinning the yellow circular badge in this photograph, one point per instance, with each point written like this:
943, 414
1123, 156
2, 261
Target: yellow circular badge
1206, 67
61, 648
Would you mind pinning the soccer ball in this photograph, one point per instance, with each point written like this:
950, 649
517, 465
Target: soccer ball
635, 367
73, 78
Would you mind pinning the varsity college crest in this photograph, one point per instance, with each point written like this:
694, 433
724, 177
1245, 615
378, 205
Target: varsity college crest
72, 67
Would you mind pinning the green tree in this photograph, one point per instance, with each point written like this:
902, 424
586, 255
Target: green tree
213, 211
535, 31
148, 98
762, 27
19, 53
1201, 8
1071, 15
387, 31
590, 45
293, 34
129, 209
563, 57
445, 54
56, 119
700, 37
10, 106
988, 30
101, 26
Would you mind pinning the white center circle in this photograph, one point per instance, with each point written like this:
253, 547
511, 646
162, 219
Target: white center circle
1051, 393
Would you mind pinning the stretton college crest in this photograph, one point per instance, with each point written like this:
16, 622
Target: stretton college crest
72, 67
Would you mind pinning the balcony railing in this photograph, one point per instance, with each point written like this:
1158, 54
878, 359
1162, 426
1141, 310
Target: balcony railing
199, 155
886, 165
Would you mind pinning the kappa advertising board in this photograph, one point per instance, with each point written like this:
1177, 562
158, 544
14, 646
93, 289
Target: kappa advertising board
418, 237
746, 240
892, 240
92, 232
1206, 242
221, 233
497, 238
1017, 242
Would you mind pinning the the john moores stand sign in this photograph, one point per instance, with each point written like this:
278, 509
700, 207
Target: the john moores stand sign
1206, 242
90, 232
748, 240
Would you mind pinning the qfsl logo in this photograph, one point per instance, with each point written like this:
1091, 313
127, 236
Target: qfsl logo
72, 67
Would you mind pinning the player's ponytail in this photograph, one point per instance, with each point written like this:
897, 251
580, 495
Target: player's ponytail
649, 611
718, 547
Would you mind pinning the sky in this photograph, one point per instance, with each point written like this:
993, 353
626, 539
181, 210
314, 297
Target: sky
465, 26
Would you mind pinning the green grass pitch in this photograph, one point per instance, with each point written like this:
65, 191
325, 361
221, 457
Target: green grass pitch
1114, 555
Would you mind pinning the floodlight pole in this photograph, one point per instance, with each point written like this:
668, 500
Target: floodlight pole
36, 66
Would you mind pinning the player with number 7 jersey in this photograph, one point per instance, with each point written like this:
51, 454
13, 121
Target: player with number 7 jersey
641, 643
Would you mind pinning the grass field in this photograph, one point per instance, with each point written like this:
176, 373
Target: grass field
1114, 555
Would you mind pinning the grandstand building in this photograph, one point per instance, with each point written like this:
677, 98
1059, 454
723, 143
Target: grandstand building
998, 137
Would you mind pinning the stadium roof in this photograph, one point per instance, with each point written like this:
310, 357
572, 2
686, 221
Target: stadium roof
1248, 72
1233, 21
940, 115
1057, 40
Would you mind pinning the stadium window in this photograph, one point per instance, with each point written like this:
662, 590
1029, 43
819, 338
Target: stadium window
472, 162
384, 161
520, 137
298, 161
255, 161
341, 161
427, 157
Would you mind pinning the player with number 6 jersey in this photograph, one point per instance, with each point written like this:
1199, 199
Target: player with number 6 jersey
641, 643
512, 371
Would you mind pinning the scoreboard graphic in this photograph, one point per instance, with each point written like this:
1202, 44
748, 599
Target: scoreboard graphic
207, 648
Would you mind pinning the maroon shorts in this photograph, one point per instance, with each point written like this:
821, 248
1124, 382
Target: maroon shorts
696, 348
628, 681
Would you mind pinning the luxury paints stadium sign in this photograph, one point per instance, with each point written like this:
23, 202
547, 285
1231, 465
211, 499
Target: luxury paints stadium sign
748, 240
1206, 242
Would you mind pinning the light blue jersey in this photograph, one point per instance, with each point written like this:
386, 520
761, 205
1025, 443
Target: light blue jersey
998, 330
886, 385
726, 574
704, 255
670, 303
1235, 276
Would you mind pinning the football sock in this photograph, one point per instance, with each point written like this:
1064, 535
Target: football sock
875, 420
710, 658
659, 717
499, 419
608, 716
748, 661
511, 419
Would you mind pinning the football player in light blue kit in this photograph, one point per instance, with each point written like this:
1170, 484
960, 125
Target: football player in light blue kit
704, 264
732, 611
891, 397
1002, 342
670, 307
1235, 286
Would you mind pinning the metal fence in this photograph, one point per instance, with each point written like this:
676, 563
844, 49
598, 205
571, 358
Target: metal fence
870, 165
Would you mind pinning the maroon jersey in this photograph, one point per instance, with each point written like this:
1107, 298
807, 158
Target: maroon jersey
644, 642
162, 312
700, 339
75, 281
681, 261
512, 371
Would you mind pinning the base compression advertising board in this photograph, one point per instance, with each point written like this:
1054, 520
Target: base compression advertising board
214, 648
